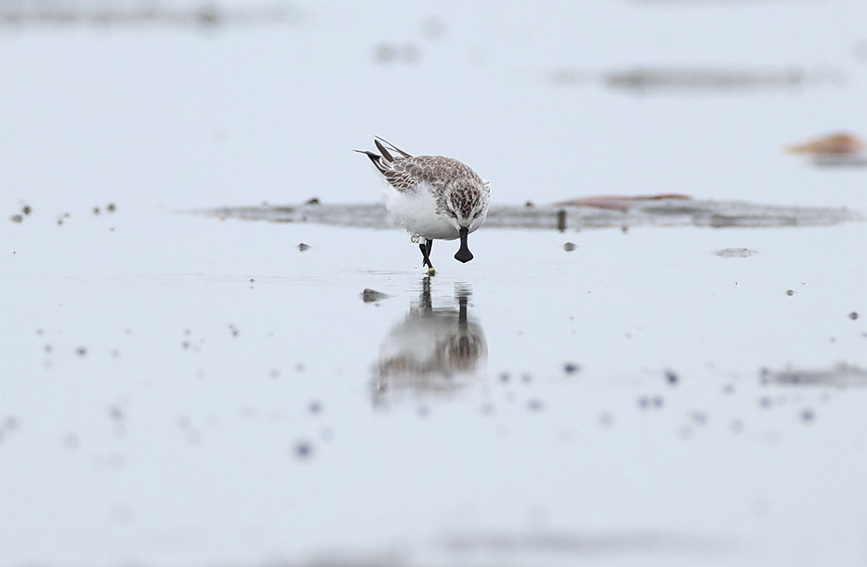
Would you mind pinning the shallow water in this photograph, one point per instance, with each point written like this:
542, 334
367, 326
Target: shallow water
182, 385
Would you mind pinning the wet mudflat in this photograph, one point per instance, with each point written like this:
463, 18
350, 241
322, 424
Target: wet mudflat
193, 377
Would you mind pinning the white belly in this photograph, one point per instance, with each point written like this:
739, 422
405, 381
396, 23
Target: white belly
417, 212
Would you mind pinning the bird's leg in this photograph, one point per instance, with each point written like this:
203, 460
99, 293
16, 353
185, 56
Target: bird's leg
464, 254
425, 248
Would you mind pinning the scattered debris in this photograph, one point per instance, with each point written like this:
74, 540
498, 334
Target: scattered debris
645, 402
840, 375
620, 202
642, 80
836, 149
207, 14
387, 53
735, 253
833, 144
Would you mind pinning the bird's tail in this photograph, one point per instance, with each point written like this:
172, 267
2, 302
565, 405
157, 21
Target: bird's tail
383, 162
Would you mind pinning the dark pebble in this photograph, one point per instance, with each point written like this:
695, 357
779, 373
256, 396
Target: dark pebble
790, 292
26, 209
571, 368
569, 246
111, 207
671, 377
16, 218
81, 351
853, 315
371, 295
303, 450
302, 247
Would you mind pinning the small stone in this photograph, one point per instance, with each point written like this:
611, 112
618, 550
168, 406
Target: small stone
671, 377
303, 450
384, 53
790, 292
303, 247
115, 413
81, 351
16, 218
312, 201
569, 246
26, 209
853, 315
96, 210
111, 207
571, 368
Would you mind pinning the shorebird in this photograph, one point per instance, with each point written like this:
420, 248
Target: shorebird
433, 197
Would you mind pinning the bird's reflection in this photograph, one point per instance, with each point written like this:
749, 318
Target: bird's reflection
433, 352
